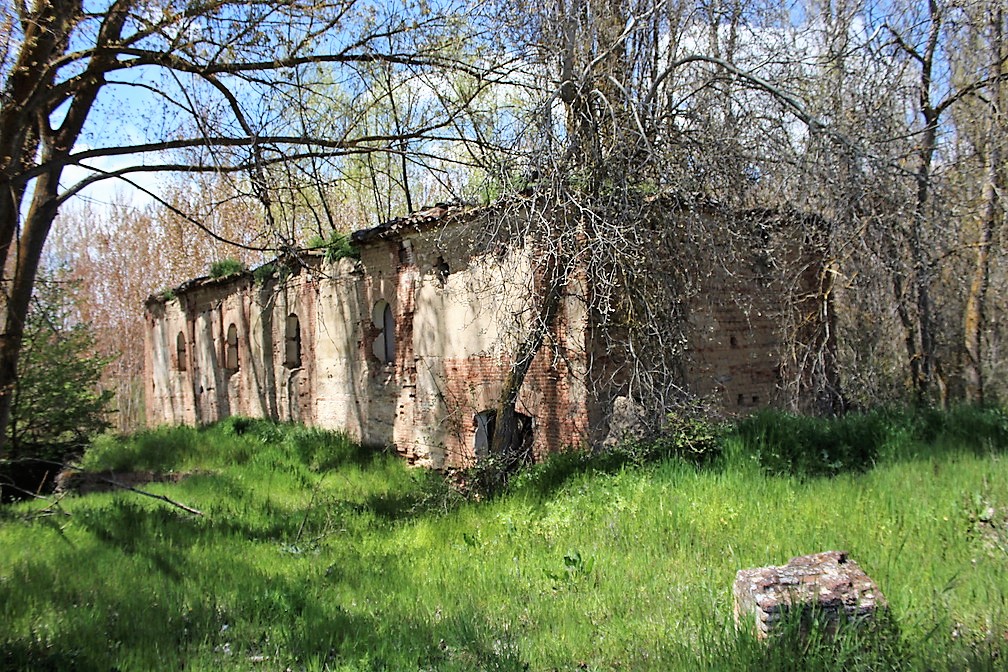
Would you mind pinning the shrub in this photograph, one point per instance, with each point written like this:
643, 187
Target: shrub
226, 267
263, 273
808, 446
550, 474
337, 246
690, 436
322, 449
972, 426
687, 435
160, 449
57, 405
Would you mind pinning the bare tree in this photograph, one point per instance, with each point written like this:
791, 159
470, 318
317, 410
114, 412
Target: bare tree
119, 254
644, 117
990, 135
925, 40
216, 87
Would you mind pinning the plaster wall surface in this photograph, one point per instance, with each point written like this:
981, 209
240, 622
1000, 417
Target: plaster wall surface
405, 346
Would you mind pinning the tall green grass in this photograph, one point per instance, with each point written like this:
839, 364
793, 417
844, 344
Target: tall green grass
315, 554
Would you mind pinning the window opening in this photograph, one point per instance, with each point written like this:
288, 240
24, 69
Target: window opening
441, 269
292, 342
406, 253
486, 423
388, 330
384, 345
180, 352
231, 351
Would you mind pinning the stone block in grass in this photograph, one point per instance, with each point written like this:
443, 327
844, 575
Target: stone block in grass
828, 586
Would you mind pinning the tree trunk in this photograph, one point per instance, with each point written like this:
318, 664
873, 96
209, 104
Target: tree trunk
973, 318
507, 437
924, 369
36, 228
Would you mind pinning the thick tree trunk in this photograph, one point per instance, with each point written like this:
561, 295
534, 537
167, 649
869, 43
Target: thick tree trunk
35, 230
507, 437
26, 132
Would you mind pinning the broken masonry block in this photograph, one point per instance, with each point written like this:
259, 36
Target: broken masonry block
829, 585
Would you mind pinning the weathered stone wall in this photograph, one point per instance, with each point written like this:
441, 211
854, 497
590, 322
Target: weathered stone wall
734, 340
407, 345
455, 319
194, 375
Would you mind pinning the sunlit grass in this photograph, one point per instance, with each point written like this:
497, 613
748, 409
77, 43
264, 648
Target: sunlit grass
316, 554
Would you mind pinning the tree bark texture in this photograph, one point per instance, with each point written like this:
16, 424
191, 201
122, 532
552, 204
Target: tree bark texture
974, 318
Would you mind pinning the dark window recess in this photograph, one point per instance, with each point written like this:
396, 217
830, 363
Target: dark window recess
441, 270
486, 423
388, 331
384, 346
406, 254
734, 342
292, 342
180, 352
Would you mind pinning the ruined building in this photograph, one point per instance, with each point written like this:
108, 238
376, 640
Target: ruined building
408, 346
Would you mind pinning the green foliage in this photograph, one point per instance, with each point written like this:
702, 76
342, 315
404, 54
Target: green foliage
806, 641
57, 404
226, 267
278, 268
337, 246
787, 444
575, 570
234, 440
490, 476
809, 446
980, 428
688, 436
322, 450
160, 449
263, 273
318, 555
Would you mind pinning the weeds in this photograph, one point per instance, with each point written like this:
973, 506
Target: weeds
226, 267
337, 246
807, 446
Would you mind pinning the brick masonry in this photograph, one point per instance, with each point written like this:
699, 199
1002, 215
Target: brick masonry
829, 585
459, 304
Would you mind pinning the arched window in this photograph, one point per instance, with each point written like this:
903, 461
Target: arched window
384, 345
231, 351
180, 352
292, 342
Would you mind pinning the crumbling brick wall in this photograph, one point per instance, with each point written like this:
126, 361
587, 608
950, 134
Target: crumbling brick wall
407, 345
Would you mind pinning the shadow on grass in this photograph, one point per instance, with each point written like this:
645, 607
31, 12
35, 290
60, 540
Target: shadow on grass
805, 446
160, 534
544, 479
232, 613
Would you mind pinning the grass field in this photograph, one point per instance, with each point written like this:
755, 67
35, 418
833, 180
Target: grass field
315, 554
